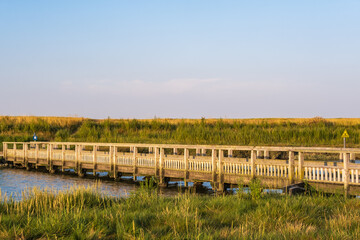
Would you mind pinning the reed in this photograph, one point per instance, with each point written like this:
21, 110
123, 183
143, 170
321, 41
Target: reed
283, 132
86, 214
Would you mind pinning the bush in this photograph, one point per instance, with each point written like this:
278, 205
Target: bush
256, 189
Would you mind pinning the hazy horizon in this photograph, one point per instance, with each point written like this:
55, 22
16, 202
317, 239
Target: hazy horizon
180, 59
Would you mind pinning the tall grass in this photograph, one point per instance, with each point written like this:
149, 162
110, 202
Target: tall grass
291, 132
86, 214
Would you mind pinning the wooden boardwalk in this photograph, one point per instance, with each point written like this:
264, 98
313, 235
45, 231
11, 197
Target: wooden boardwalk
327, 169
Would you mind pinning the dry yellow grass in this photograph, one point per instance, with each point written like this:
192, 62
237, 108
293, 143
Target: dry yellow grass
51, 120
70, 120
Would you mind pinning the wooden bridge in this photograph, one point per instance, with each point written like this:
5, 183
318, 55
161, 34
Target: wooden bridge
327, 169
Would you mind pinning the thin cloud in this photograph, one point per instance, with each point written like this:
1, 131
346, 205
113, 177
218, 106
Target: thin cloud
173, 87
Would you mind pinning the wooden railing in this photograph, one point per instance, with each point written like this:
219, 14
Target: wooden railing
324, 174
220, 160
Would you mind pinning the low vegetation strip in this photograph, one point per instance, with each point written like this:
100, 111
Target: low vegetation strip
86, 214
289, 132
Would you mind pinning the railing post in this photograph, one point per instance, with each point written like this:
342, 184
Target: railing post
266, 154
48, 154
291, 166
24, 151
346, 173
5, 146
301, 166
36, 155
230, 153
81, 148
50, 150
258, 154
252, 163
62, 157
186, 162
156, 157
221, 177
134, 161
76, 155
14, 149
94, 159
352, 156
77, 158
113, 159
214, 166
161, 170
198, 152
26, 157
175, 151
203, 152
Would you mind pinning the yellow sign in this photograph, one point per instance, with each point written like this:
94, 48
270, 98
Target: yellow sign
345, 134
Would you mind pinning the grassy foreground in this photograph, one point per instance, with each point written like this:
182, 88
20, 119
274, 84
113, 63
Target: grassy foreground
290, 132
85, 214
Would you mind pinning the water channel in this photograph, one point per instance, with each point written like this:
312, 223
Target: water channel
15, 181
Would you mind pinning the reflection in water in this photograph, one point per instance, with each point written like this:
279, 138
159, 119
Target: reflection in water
15, 181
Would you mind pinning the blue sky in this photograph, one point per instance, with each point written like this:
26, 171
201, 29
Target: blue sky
180, 59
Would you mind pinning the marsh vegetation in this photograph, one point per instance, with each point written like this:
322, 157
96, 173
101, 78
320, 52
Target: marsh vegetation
84, 213
290, 132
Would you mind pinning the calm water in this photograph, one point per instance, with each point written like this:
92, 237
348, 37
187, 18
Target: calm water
15, 181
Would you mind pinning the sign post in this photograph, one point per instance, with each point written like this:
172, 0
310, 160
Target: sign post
345, 135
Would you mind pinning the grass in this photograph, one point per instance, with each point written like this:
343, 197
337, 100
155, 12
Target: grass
86, 214
284, 132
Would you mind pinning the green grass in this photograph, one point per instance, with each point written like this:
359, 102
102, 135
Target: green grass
86, 214
289, 132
